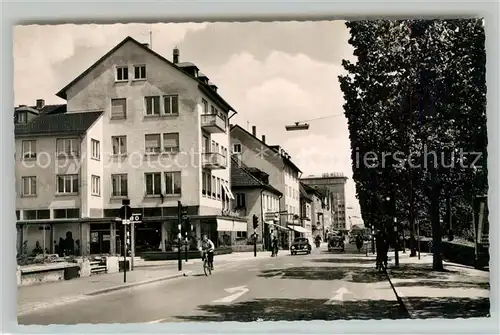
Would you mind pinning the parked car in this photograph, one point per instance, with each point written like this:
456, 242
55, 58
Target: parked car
300, 244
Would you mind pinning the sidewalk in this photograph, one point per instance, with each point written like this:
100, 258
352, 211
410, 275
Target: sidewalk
232, 257
458, 292
38, 296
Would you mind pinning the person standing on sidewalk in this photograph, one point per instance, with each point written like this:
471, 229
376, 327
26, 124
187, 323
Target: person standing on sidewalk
274, 245
381, 244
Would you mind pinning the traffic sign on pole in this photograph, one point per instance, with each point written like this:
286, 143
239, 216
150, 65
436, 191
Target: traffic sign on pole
136, 218
271, 216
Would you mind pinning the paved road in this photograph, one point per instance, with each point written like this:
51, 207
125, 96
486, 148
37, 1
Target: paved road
323, 285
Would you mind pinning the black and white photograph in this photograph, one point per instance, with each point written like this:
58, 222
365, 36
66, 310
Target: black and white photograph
251, 171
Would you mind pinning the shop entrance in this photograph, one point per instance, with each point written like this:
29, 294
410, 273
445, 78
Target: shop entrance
100, 238
147, 237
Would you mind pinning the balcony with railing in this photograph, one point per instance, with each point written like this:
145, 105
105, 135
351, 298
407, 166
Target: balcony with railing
213, 123
213, 160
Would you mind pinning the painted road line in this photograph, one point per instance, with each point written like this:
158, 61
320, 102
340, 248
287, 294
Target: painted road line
236, 293
338, 297
156, 321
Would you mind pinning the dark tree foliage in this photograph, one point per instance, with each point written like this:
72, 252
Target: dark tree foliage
415, 101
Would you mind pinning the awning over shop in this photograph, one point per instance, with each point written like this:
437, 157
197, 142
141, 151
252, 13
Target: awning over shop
230, 225
277, 226
298, 229
228, 192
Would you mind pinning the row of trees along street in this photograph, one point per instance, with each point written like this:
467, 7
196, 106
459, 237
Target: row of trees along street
418, 86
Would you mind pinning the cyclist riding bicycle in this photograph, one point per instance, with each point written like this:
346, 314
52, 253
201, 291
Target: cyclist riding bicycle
208, 247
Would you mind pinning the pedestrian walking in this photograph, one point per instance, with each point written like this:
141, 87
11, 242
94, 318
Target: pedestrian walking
274, 247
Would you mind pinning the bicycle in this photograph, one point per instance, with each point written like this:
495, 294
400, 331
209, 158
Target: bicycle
207, 269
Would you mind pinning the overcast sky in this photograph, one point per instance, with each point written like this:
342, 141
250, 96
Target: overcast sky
273, 74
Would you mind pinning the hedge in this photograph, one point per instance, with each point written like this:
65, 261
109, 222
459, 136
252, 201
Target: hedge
459, 253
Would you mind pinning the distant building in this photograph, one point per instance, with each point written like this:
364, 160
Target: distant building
283, 174
319, 221
254, 196
306, 212
332, 185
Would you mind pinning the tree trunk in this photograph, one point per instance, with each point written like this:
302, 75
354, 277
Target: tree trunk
413, 249
437, 259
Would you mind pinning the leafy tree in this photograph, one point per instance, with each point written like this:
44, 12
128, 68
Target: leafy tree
418, 87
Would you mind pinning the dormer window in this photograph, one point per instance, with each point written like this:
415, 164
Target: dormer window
21, 117
139, 72
122, 73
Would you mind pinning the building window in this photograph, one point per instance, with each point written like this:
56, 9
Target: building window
37, 214
29, 186
119, 145
213, 110
96, 149
118, 108
139, 72
152, 106
152, 143
214, 189
173, 183
171, 142
218, 186
171, 104
241, 234
236, 148
67, 147
153, 184
67, 184
209, 185
29, 149
96, 185
120, 185
67, 213
21, 117
240, 200
204, 103
121, 73
204, 176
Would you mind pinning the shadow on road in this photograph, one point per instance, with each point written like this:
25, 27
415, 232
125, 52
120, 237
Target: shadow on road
344, 260
298, 310
359, 274
418, 271
450, 308
445, 284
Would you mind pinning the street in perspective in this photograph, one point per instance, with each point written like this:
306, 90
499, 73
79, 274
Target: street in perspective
161, 181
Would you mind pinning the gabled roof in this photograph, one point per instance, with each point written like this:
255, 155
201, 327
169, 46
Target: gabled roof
58, 124
211, 93
303, 193
287, 161
310, 190
47, 109
242, 178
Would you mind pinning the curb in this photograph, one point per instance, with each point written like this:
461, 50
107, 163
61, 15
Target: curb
34, 306
144, 282
38, 306
403, 301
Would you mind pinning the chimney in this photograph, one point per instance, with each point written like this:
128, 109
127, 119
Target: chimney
264, 138
146, 45
40, 103
176, 55
254, 131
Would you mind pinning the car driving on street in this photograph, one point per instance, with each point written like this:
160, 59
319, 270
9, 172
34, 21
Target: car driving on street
300, 244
